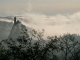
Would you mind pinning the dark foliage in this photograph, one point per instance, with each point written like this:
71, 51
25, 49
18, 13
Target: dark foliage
27, 49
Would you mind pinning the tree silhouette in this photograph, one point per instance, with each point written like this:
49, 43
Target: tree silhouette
68, 45
32, 46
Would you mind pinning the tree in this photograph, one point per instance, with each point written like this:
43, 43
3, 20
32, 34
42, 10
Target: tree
3, 53
68, 45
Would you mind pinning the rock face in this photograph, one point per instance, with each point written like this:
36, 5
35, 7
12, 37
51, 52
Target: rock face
16, 29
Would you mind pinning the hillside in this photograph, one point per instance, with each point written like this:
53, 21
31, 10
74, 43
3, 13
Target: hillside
16, 29
5, 28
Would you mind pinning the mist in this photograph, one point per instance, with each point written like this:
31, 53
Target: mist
53, 25
58, 24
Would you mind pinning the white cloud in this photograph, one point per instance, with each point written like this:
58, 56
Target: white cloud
53, 25
7, 20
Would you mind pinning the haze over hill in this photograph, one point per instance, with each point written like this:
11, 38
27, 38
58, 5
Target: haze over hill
53, 25
56, 17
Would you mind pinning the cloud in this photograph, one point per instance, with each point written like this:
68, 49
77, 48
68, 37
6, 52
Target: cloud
53, 25
5, 20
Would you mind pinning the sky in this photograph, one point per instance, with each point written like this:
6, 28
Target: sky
48, 7
54, 16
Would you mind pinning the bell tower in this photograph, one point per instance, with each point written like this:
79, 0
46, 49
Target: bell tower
14, 20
